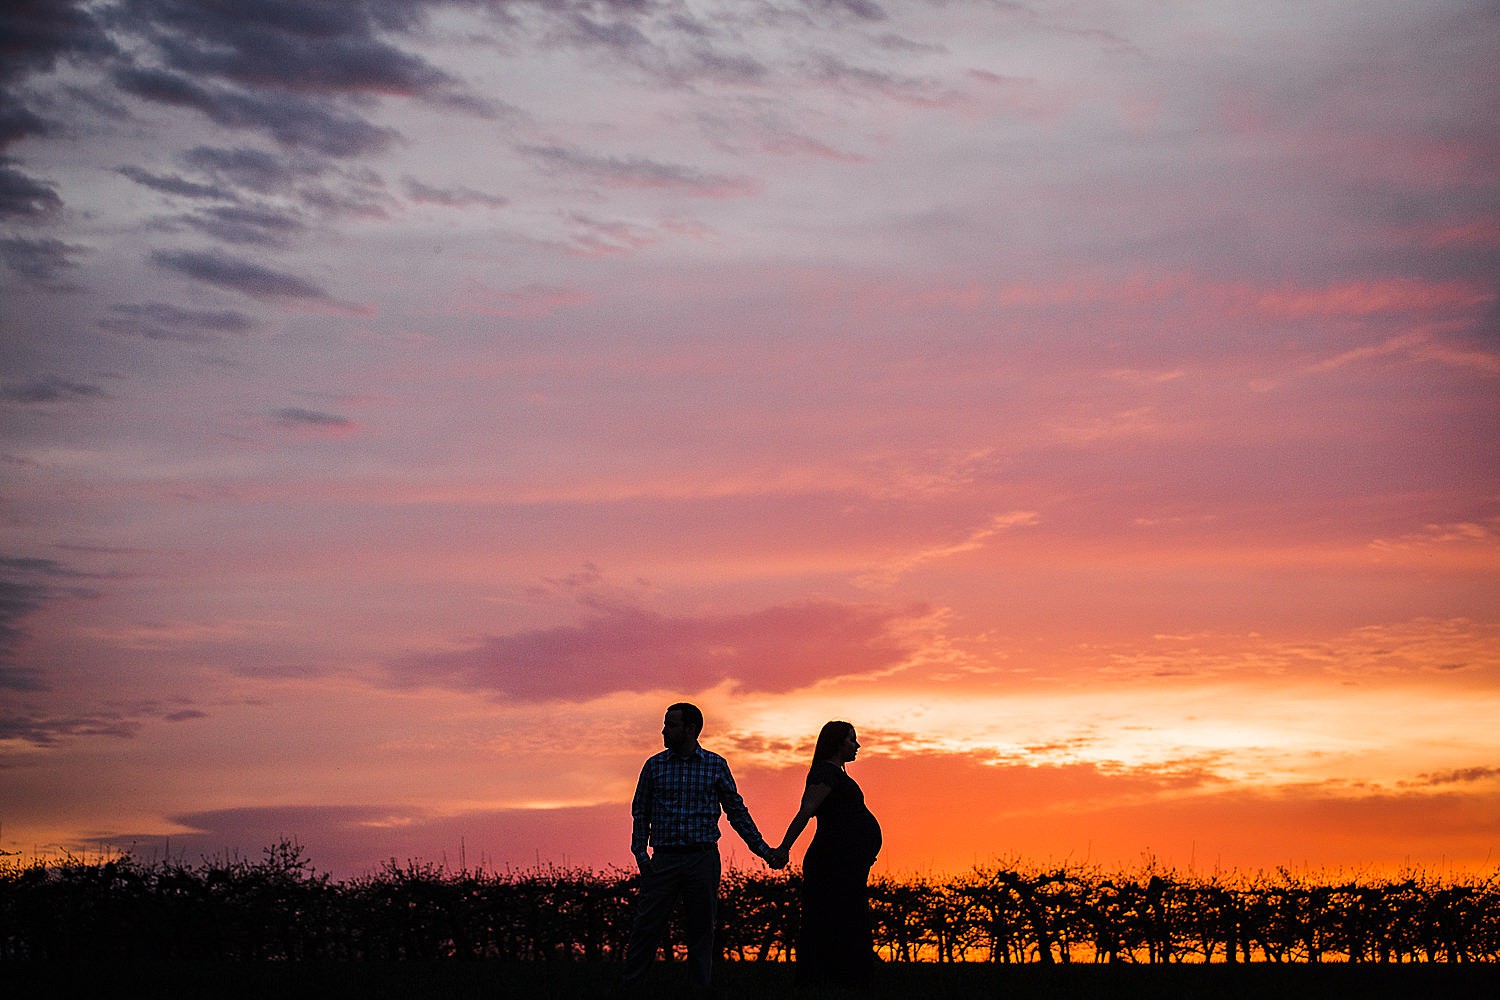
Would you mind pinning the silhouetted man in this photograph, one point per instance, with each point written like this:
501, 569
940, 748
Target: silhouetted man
676, 813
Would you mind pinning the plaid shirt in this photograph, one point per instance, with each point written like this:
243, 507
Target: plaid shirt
677, 802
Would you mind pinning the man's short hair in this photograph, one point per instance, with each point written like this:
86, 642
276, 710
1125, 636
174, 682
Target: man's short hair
692, 718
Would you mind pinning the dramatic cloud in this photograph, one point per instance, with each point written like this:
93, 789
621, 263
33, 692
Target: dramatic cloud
629, 649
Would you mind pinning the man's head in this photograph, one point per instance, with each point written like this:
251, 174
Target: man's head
681, 727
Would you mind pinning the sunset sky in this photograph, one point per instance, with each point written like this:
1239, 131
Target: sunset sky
1096, 403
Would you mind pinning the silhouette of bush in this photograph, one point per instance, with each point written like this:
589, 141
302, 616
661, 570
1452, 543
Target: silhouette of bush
278, 908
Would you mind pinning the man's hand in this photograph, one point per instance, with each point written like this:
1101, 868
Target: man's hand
643, 862
778, 858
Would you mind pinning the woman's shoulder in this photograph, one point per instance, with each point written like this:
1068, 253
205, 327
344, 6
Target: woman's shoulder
824, 773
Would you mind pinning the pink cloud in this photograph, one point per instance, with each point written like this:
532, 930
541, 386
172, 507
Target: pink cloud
793, 144
1483, 231
624, 648
1367, 298
604, 237
1286, 300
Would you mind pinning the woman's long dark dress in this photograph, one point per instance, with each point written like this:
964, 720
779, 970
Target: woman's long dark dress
835, 945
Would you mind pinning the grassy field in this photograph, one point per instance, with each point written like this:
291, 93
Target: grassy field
744, 981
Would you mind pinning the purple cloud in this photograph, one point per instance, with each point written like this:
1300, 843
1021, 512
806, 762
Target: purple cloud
290, 119
49, 730
26, 584
23, 196
217, 268
631, 649
40, 261
254, 169
34, 37
173, 184
246, 224
49, 389
285, 69
296, 416
311, 46
164, 321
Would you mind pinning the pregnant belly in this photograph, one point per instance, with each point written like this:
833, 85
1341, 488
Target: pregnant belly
858, 838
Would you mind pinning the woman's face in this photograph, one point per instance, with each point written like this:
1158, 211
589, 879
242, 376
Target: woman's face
850, 748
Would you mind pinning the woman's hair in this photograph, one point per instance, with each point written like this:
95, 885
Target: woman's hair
830, 738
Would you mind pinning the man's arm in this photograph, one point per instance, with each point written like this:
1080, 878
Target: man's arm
739, 815
640, 819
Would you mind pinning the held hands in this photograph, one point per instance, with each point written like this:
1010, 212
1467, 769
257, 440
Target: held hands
778, 858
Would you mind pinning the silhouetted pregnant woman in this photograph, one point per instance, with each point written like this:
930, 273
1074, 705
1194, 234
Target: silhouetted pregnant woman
835, 945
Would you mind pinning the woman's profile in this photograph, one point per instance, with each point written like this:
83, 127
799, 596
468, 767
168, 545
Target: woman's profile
835, 945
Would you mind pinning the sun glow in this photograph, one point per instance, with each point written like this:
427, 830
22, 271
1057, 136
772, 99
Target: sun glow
1311, 733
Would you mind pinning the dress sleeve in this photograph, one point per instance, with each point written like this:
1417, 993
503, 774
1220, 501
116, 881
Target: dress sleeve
823, 773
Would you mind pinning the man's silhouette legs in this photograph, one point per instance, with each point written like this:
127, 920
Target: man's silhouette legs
695, 878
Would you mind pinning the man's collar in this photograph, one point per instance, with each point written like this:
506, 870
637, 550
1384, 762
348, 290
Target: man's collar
695, 753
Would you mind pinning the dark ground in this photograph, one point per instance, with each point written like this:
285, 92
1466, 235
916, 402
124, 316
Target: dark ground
744, 981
